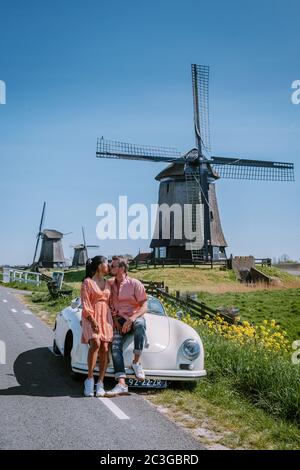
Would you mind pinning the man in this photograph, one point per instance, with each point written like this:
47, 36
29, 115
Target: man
128, 305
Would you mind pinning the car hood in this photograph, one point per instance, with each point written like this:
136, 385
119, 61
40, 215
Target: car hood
157, 333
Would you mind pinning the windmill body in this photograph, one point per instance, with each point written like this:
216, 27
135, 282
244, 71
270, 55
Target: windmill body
172, 189
80, 255
190, 180
52, 255
81, 252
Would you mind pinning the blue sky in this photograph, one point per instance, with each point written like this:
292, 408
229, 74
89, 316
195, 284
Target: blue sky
81, 69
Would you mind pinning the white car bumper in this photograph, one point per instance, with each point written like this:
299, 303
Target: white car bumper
150, 374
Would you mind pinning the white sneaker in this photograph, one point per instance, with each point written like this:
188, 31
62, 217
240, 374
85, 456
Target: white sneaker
138, 370
89, 387
118, 390
100, 392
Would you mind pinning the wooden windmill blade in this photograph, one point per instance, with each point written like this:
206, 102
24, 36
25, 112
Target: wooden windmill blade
85, 246
39, 232
84, 241
126, 151
83, 236
196, 176
240, 168
200, 83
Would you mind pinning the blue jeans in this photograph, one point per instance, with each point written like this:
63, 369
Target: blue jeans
139, 332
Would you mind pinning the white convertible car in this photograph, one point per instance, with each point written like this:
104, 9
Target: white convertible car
173, 350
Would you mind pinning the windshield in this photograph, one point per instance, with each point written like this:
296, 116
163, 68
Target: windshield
155, 307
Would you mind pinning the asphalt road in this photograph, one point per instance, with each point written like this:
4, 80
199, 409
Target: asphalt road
41, 407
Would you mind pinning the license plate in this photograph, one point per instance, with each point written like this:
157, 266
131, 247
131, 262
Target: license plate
147, 383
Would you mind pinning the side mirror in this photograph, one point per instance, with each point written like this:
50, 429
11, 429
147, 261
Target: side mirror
179, 314
76, 303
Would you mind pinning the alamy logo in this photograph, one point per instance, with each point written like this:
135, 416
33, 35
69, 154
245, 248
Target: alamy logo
2, 352
296, 94
176, 221
2, 92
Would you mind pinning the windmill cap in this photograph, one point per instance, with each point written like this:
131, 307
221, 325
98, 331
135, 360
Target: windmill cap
49, 233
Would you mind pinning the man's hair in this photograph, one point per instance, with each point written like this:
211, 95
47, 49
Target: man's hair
123, 263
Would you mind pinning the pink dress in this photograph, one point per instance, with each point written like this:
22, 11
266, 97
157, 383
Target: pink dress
95, 303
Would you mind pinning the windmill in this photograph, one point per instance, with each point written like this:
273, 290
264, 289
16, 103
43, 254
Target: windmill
80, 252
190, 179
51, 255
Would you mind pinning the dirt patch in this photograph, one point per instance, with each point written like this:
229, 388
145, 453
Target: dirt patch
205, 430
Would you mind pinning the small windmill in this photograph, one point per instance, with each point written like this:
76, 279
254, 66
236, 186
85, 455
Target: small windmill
51, 255
80, 252
191, 177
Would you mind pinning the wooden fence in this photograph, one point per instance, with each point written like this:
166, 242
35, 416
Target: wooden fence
16, 275
226, 263
194, 307
175, 262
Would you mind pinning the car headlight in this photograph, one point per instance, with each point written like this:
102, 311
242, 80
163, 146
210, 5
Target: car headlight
191, 349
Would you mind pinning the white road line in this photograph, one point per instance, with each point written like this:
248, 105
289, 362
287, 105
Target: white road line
113, 408
4, 300
14, 310
27, 312
28, 325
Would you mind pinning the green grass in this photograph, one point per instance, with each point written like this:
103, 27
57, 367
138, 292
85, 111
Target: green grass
279, 273
218, 407
74, 276
21, 285
188, 278
281, 305
267, 379
250, 397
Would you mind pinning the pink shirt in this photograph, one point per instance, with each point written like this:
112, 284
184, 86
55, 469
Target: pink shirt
127, 298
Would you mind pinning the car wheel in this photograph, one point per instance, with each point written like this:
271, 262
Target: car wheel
68, 345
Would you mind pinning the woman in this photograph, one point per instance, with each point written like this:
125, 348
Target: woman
97, 323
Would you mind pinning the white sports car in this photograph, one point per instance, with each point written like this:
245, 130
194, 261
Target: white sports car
173, 350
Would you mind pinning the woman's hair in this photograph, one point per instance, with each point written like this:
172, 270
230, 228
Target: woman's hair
92, 264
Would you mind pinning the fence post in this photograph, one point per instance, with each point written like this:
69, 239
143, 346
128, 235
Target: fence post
26, 277
177, 294
167, 289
